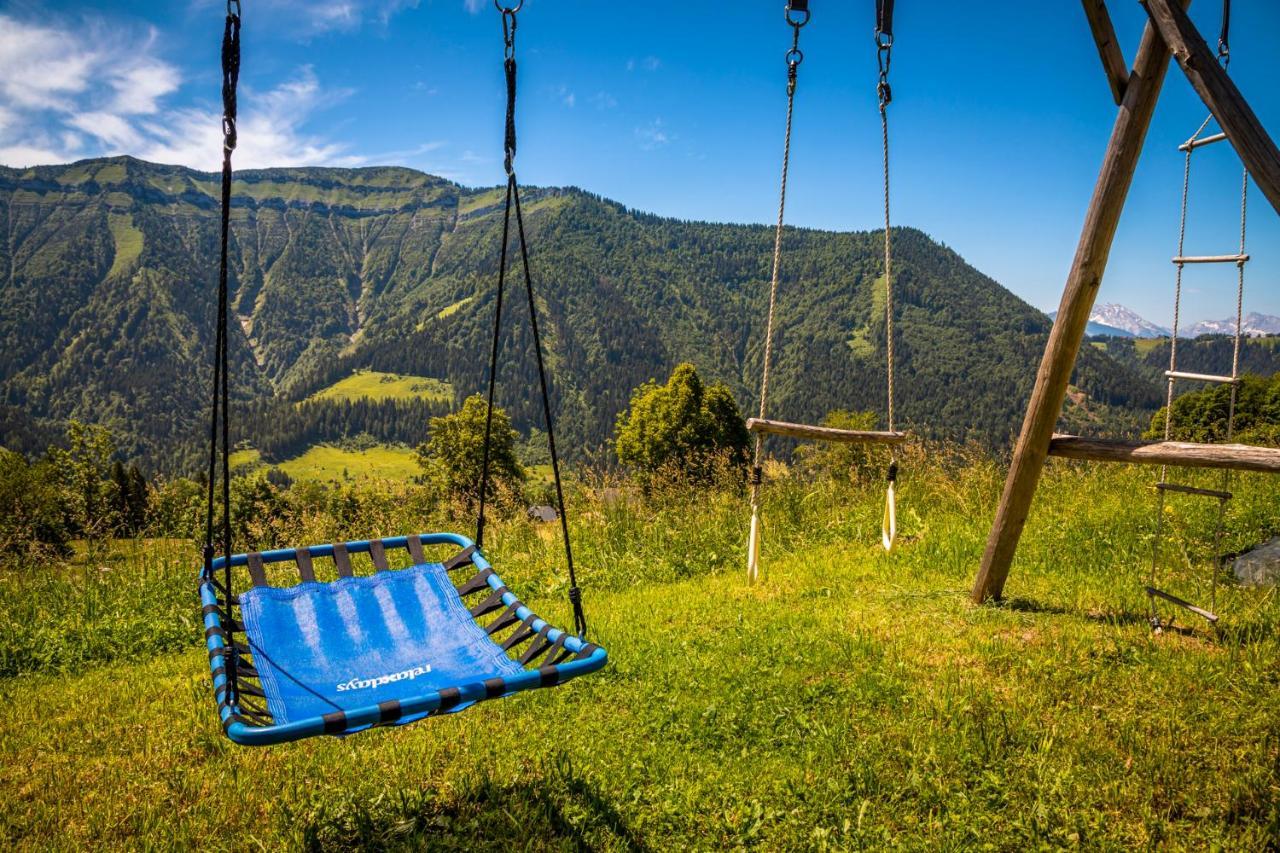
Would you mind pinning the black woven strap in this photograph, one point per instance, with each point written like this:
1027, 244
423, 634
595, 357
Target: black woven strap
414, 545
342, 560
378, 554
305, 570
884, 17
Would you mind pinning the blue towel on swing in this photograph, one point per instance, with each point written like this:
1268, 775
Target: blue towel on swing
323, 647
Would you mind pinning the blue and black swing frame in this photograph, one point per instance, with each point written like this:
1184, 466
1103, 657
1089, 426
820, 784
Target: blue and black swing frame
548, 655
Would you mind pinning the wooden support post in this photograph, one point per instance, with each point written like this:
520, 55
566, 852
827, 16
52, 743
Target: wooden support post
1104, 35
1127, 136
1256, 149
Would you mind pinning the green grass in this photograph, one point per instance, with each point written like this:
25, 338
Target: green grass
128, 242
1145, 345
471, 203
851, 699
241, 459
325, 463
453, 308
374, 385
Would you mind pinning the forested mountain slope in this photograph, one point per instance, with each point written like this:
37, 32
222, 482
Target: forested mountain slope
109, 272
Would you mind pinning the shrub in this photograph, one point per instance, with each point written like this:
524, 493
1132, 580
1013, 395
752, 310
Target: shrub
682, 428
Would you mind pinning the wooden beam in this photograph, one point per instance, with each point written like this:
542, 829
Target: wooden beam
1220, 95
819, 433
1104, 35
1237, 457
1118, 164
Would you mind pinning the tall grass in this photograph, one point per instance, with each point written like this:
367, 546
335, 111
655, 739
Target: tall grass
851, 699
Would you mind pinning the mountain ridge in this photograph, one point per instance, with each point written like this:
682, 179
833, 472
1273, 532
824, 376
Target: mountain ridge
108, 307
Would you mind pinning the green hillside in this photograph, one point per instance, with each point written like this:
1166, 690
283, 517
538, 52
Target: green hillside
106, 315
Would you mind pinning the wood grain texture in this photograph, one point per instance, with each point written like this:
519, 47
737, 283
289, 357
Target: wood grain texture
819, 433
1237, 457
1104, 36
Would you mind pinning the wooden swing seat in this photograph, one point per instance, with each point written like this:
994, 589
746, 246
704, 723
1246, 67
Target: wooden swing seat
1236, 457
820, 433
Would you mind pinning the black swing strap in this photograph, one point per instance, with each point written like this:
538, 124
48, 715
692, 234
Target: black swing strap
884, 18
513, 196
220, 398
1224, 35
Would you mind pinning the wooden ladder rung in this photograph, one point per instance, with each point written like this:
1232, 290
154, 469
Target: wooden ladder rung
1202, 377
1187, 605
1193, 490
1196, 143
1210, 259
820, 433
1236, 457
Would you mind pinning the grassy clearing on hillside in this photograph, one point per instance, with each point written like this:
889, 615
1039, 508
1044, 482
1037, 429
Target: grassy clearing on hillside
374, 385
453, 308
244, 459
325, 463
852, 699
128, 242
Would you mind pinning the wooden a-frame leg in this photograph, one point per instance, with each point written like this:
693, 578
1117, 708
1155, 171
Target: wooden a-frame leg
1127, 135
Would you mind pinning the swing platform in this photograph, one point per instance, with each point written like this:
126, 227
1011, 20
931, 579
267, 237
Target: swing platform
1234, 457
820, 433
380, 649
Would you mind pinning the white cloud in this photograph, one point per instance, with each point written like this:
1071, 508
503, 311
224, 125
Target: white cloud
40, 67
140, 86
333, 16
98, 89
603, 101
270, 131
115, 132
648, 63
317, 17
475, 7
653, 135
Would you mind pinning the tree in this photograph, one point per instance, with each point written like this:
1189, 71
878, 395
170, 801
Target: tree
32, 522
682, 428
1202, 415
453, 454
82, 471
837, 459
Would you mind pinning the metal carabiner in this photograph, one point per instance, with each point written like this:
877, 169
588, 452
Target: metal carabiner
797, 7
508, 10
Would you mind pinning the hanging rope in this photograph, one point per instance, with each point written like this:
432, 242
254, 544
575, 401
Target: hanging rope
220, 398
797, 15
884, 53
513, 196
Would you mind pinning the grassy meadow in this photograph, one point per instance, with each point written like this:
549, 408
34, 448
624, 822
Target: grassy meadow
375, 385
326, 463
852, 699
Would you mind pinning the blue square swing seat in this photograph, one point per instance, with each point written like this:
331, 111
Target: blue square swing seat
388, 648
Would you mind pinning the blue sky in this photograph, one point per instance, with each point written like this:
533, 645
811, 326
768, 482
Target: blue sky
998, 121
